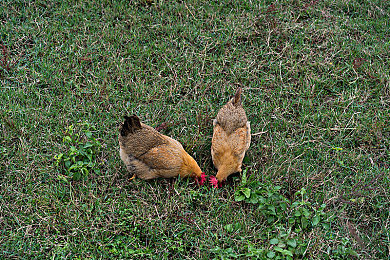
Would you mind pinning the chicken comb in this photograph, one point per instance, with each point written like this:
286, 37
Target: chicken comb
237, 97
214, 181
202, 178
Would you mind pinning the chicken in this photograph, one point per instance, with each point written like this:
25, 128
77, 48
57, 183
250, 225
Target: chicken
231, 139
149, 154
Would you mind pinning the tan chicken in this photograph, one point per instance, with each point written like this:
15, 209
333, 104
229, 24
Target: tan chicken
148, 154
231, 138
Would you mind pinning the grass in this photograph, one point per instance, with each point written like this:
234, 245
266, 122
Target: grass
316, 90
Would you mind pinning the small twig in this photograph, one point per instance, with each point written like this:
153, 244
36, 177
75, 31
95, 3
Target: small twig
307, 247
338, 129
190, 11
259, 133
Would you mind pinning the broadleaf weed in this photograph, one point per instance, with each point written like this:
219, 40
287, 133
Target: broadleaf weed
81, 157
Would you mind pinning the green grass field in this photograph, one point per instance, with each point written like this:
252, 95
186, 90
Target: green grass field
316, 86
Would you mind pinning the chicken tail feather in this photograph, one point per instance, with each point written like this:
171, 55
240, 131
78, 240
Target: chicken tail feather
130, 125
237, 97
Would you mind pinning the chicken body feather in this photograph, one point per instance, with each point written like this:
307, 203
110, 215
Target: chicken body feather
149, 154
231, 138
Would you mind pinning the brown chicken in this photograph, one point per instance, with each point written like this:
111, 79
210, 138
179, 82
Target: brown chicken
231, 138
149, 154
